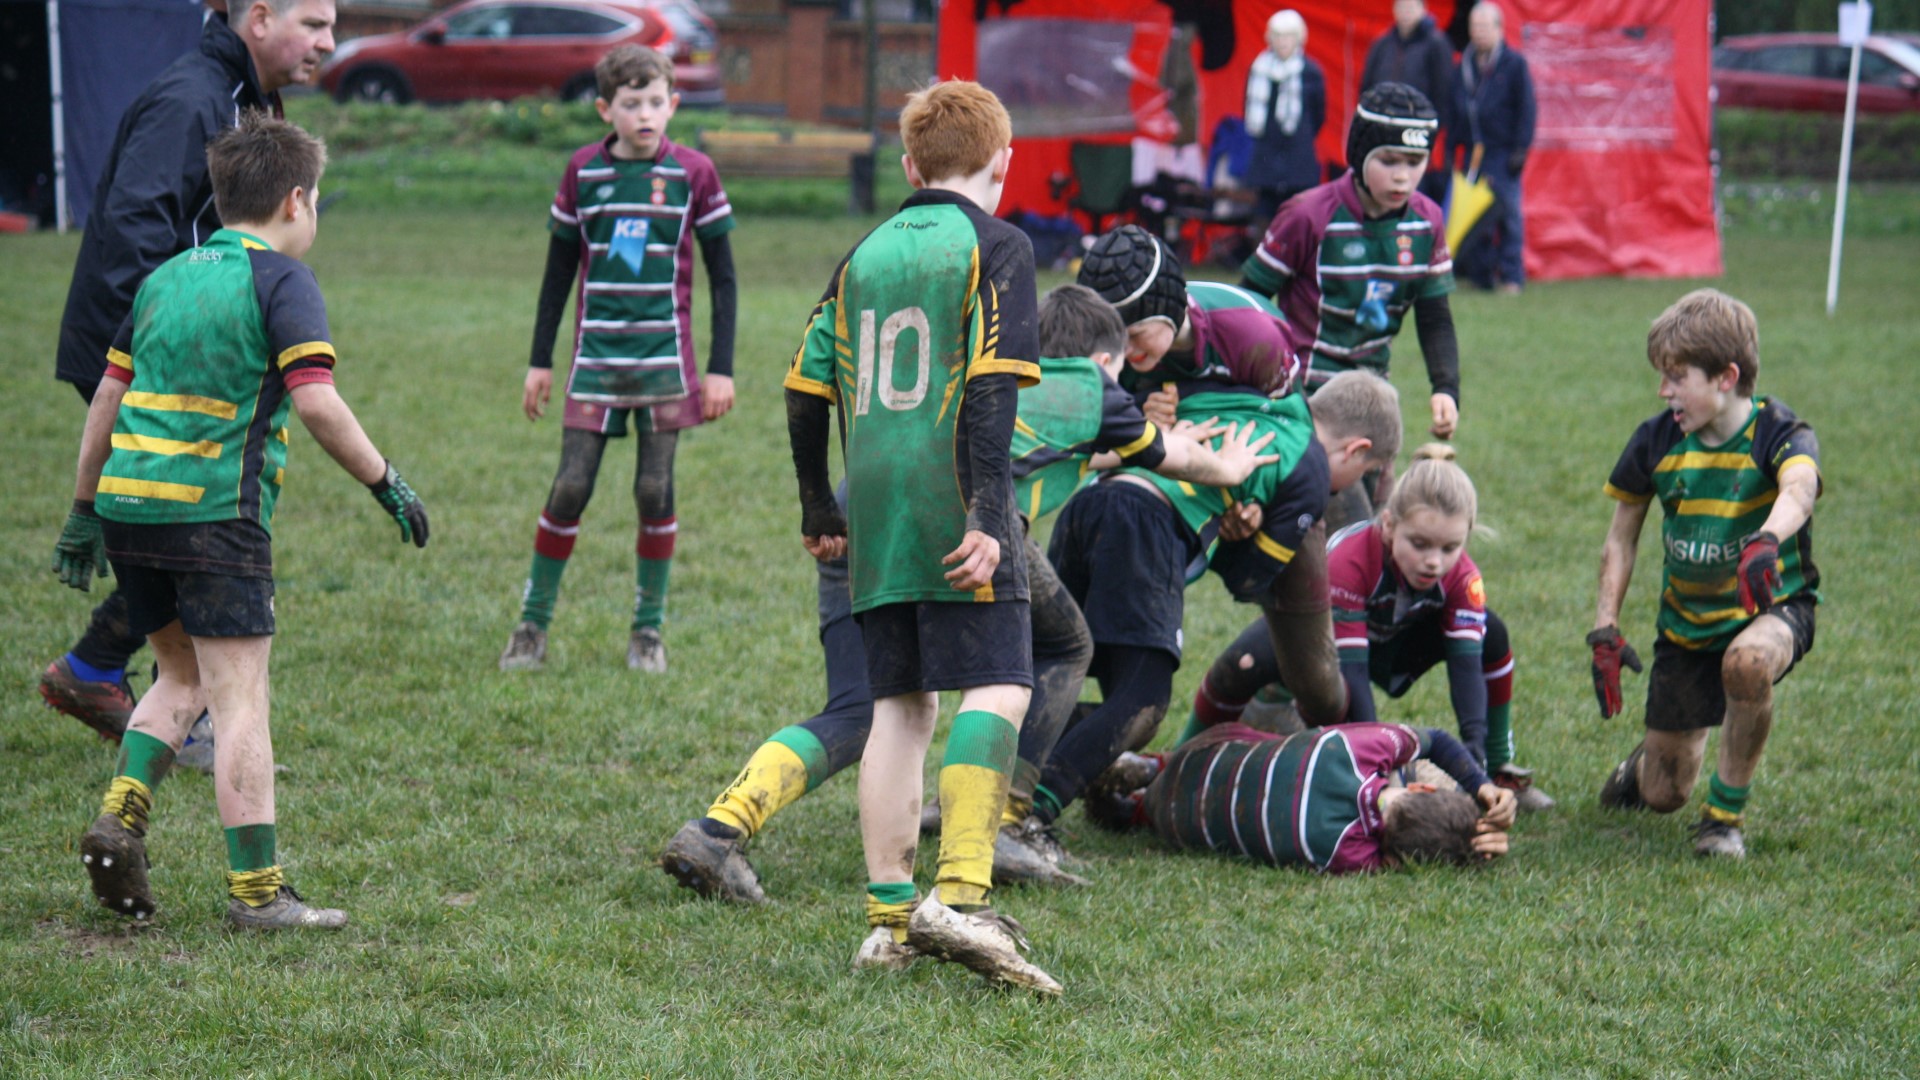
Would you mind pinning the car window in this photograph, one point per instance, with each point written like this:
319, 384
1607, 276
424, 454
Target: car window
1879, 70
1725, 59
491, 22
686, 25
561, 22
1785, 60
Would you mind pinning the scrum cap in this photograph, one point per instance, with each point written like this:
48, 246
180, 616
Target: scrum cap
1136, 273
1391, 116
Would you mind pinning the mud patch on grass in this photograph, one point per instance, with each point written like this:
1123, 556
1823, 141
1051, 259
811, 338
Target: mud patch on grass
87, 943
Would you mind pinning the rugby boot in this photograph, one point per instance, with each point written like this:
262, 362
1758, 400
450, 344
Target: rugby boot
879, 952
1622, 789
116, 861
712, 866
526, 650
1519, 780
1716, 835
102, 706
1113, 800
1018, 861
286, 911
983, 941
646, 651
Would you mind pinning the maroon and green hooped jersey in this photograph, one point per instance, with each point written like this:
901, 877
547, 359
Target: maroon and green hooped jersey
1311, 799
1322, 258
636, 222
937, 296
1713, 498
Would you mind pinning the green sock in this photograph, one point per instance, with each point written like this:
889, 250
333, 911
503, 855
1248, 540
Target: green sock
650, 597
250, 847
1725, 797
1499, 735
543, 590
1194, 727
144, 758
1046, 804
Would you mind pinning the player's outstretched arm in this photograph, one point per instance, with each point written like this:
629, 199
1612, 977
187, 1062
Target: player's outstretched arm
1197, 463
333, 425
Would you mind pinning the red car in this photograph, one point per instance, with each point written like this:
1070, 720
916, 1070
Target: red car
1808, 73
513, 48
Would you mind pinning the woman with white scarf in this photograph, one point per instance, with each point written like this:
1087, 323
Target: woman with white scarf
1286, 106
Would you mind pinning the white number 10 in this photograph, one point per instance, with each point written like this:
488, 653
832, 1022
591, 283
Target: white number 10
892, 397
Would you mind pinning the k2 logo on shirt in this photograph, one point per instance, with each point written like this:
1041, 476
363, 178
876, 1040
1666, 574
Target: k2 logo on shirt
629, 243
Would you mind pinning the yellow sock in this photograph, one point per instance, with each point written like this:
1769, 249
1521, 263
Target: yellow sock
129, 800
255, 888
774, 777
973, 793
889, 904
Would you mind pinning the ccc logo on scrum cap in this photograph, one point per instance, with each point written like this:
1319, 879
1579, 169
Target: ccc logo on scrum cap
1417, 137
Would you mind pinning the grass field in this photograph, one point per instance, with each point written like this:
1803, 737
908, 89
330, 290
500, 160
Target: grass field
493, 835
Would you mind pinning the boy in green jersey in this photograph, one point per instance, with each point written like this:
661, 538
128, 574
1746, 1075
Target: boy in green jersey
1736, 475
185, 452
923, 340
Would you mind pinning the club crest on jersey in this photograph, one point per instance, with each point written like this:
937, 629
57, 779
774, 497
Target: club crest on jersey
659, 190
1354, 249
629, 243
1405, 244
1477, 592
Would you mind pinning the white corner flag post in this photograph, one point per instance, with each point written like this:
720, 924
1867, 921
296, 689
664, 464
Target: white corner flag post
1856, 22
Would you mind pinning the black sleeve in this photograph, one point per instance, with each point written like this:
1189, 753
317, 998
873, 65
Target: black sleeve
808, 431
1445, 751
1467, 687
987, 414
563, 262
1125, 430
1433, 321
1632, 477
723, 292
1359, 693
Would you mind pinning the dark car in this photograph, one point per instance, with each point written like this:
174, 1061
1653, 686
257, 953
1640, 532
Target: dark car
513, 48
1808, 73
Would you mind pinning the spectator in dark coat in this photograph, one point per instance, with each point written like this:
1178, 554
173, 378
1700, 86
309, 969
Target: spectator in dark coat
155, 200
1286, 107
1493, 111
1417, 54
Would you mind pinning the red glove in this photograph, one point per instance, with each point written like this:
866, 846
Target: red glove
1610, 650
1759, 572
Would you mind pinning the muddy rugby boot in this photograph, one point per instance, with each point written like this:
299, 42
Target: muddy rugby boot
287, 911
116, 861
879, 952
102, 706
526, 650
983, 941
1622, 789
646, 651
712, 866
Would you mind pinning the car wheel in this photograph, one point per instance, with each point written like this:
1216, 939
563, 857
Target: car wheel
581, 88
375, 85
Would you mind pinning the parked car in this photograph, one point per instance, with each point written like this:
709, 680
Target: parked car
1808, 73
513, 48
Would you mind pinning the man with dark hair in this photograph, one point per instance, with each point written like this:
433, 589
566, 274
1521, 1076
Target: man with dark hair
154, 201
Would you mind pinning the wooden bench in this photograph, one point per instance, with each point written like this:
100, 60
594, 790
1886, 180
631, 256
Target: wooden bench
784, 153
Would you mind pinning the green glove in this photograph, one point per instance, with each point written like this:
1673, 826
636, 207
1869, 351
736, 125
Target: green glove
81, 551
393, 495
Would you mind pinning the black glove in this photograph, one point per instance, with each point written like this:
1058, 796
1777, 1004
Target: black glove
824, 519
1610, 651
396, 498
1516, 161
1759, 572
80, 552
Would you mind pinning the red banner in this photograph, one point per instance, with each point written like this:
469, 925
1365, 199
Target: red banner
1619, 183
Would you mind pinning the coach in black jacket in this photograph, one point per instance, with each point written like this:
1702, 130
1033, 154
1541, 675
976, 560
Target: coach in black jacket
154, 201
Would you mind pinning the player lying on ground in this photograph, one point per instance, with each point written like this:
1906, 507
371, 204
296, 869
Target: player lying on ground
1323, 798
1736, 475
1075, 420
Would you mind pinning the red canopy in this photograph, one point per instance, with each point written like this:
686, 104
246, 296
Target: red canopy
1620, 180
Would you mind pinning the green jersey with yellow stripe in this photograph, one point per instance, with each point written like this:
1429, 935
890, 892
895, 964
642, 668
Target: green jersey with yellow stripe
1075, 412
217, 336
1713, 498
